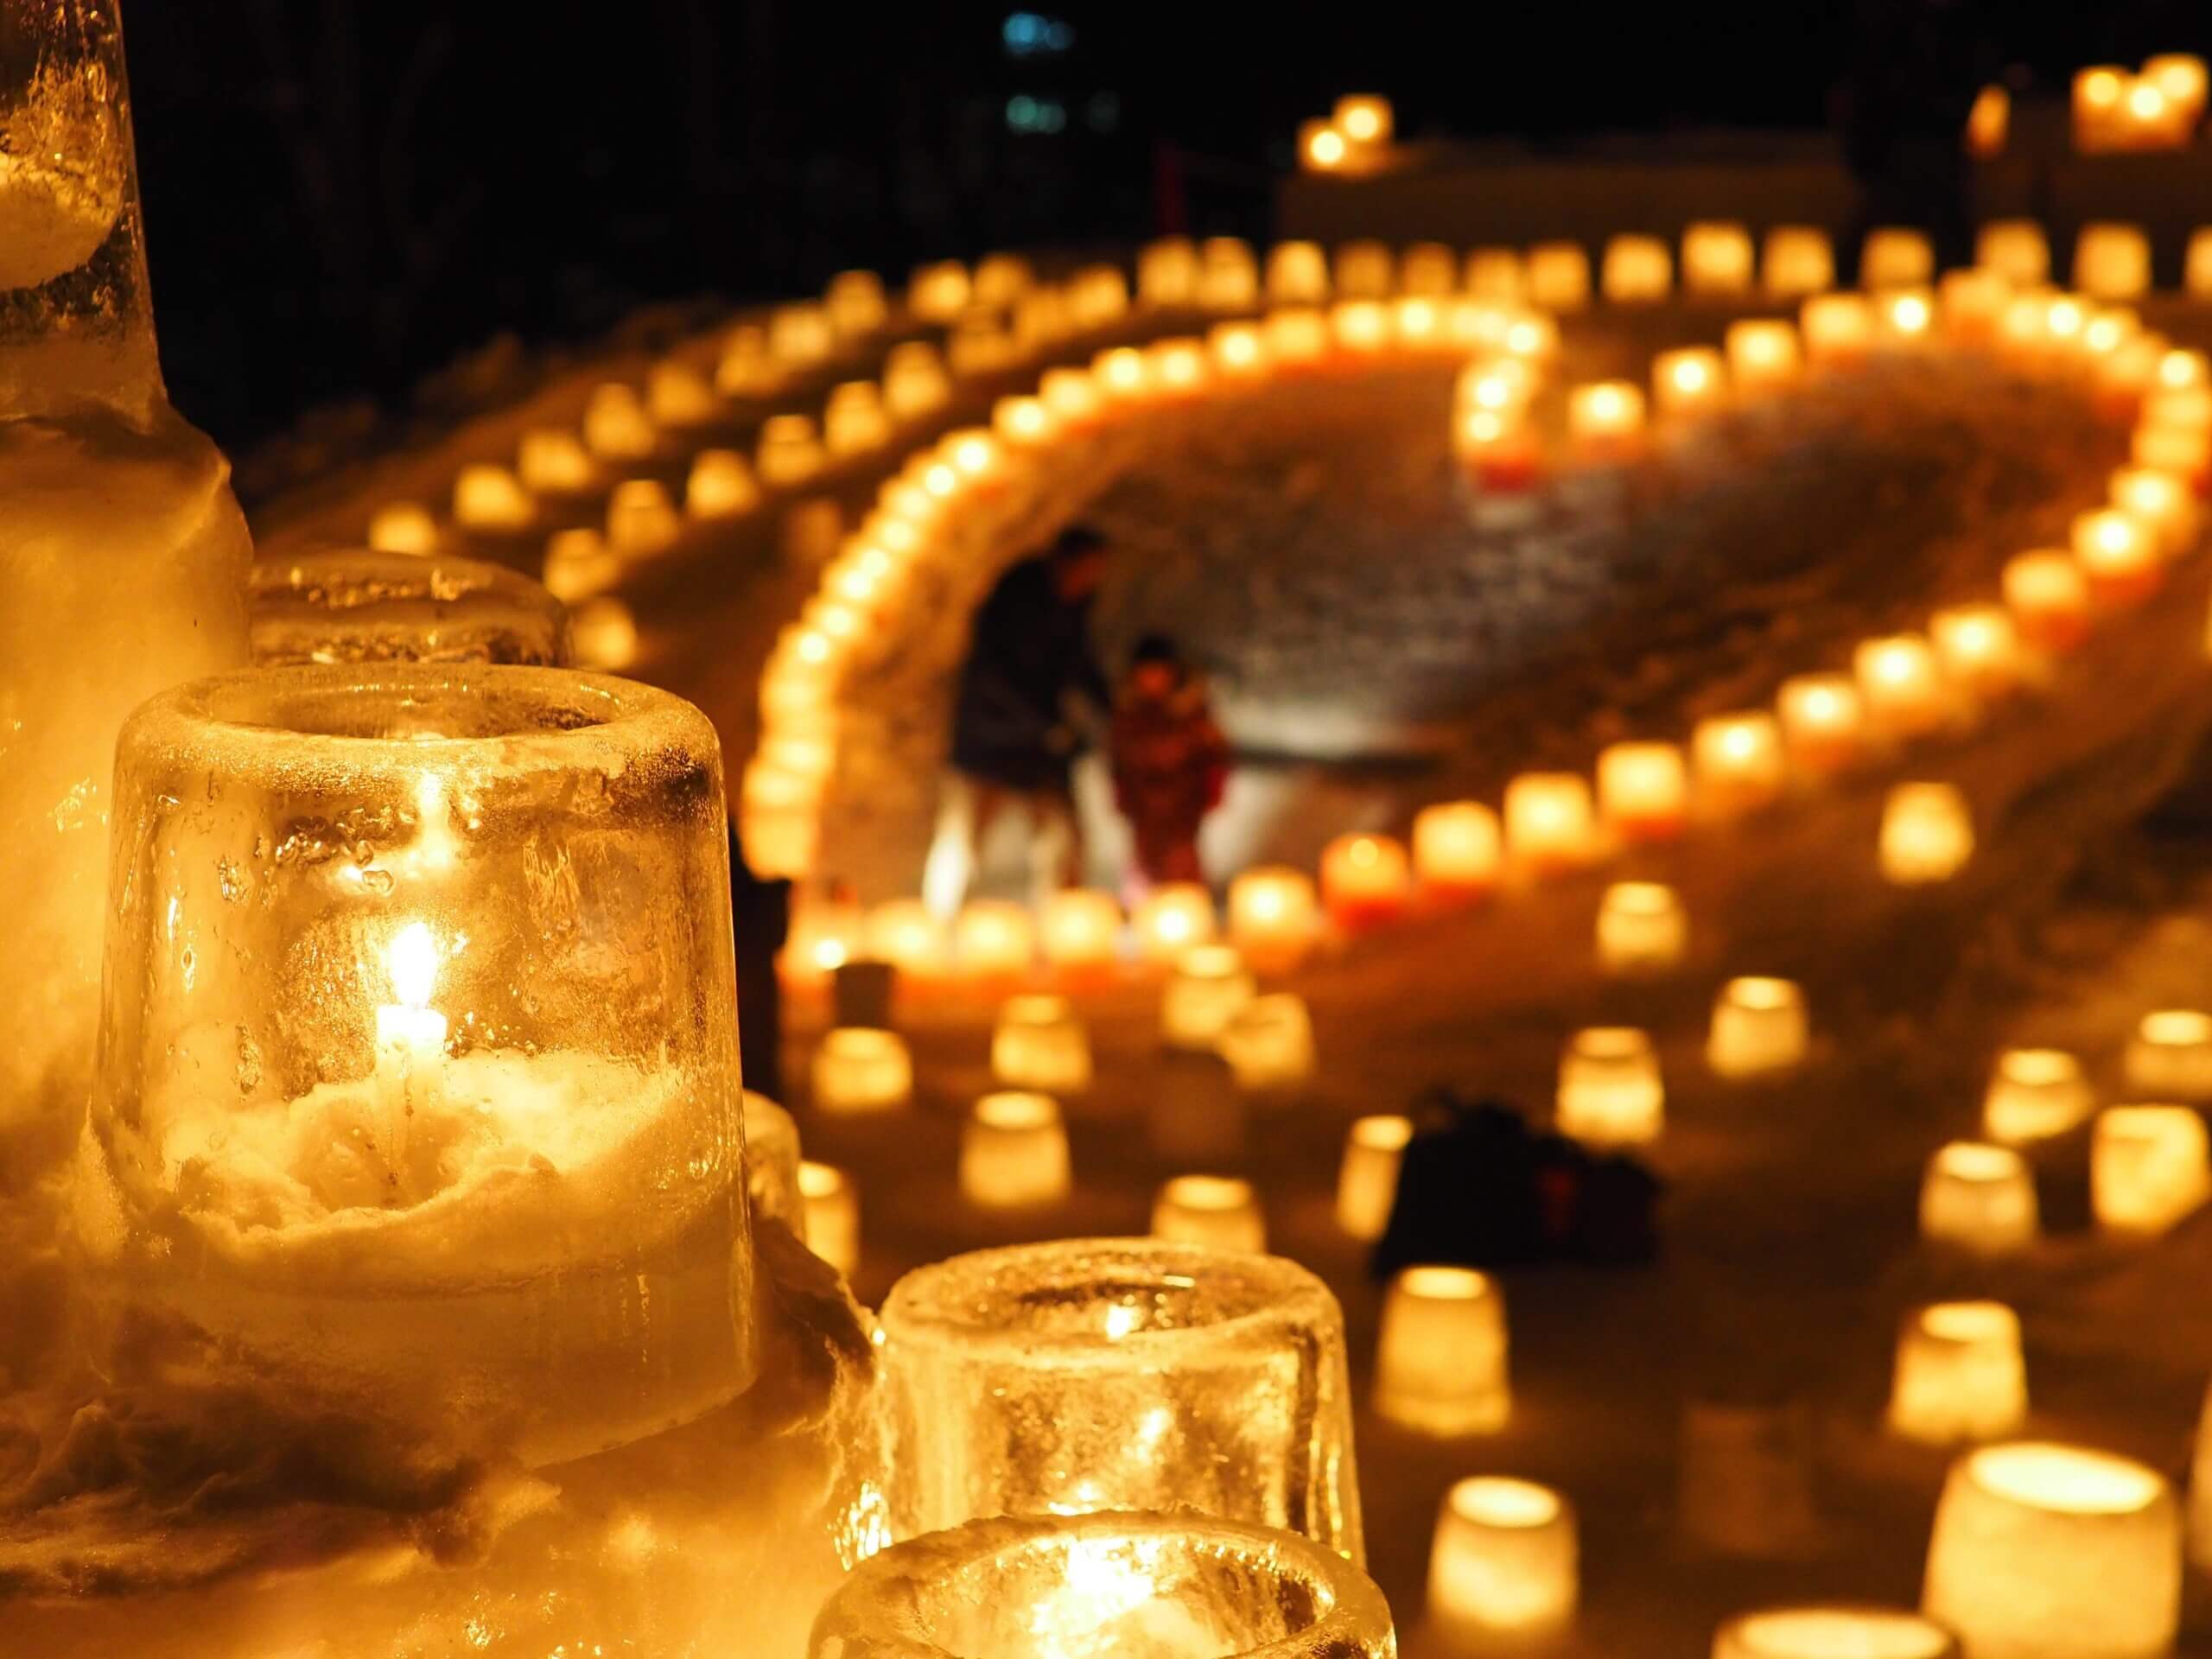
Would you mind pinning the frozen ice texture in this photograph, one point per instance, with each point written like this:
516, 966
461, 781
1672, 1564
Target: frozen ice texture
358, 605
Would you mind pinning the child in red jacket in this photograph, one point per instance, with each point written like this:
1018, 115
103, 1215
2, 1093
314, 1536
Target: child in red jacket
1170, 761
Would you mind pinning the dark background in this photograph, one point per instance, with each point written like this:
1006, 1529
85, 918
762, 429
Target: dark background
342, 196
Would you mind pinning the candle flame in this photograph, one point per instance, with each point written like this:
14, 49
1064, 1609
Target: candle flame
412, 960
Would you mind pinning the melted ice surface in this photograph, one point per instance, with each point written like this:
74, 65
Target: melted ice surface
51, 220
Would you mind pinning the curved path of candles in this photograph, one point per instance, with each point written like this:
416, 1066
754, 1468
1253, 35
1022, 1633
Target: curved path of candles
1789, 1223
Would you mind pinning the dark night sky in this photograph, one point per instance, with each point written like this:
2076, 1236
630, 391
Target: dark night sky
342, 195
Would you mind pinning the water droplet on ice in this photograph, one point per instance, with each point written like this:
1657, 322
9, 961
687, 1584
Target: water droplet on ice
378, 881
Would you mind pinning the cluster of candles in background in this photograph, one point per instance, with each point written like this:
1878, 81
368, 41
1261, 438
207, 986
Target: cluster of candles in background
2160, 106
1354, 138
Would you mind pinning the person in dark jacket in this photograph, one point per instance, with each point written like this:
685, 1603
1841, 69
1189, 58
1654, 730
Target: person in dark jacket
1029, 684
1170, 762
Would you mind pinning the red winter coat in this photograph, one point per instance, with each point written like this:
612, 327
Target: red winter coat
1170, 765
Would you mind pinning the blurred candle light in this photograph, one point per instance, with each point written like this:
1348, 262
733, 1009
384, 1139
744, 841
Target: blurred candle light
1977, 647
854, 419
1365, 270
1365, 119
1550, 822
1297, 336
1441, 1358
1559, 276
1758, 1028
403, 527
861, 1069
1429, 271
799, 335
1079, 930
1605, 420
789, 453
1205, 988
1799, 261
855, 304
1219, 1211
2048, 593
2196, 264
1268, 1044
1024, 423
1000, 279
1297, 274
1832, 1630
1457, 849
2111, 262
907, 934
1167, 273
1367, 1180
616, 425
2161, 500
1971, 304
1272, 917
915, 381
1503, 1566
1716, 258
2034, 1094
678, 395
1610, 1093
1014, 1152
2180, 76
1501, 274
745, 369
1907, 315
993, 941
1039, 1043
1762, 353
1642, 928
1989, 120
640, 518
1836, 328
1636, 269
938, 292
1498, 450
721, 486
578, 564
1359, 328
1901, 684
1365, 879
486, 496
1823, 722
2016, 248
2148, 1168
831, 1206
1237, 351
1690, 381
1738, 762
604, 633
1958, 1374
2055, 1552
1894, 256
552, 460
2119, 555
1170, 919
1978, 1198
1321, 147
1644, 790
2170, 1057
1927, 834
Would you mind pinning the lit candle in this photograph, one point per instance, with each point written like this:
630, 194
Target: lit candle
1298, 274
1716, 258
1738, 762
1441, 1358
1219, 1211
2015, 249
2184, 451
2041, 1548
1367, 1180
855, 304
938, 292
678, 395
1559, 276
1822, 719
1550, 823
1365, 879
1268, 1044
1359, 329
1762, 353
1014, 1152
914, 380
1079, 930
2111, 262
2033, 1093
860, 1069
1605, 420
578, 564
906, 933
855, 420
745, 369
1636, 269
2161, 500
1072, 398
489, 497
403, 527
2119, 555
824, 936
1978, 648
1208, 985
1642, 928
1836, 328
552, 460
1364, 119
1297, 337
1989, 120
1832, 1630
993, 940
1455, 850
1499, 275
1321, 148
1040, 1045
1177, 369
831, 1208
1972, 304
1429, 271
1959, 1374
604, 634
640, 518
1365, 270
1906, 315
1237, 351
1894, 256
1610, 1093
2048, 594
2181, 77
799, 334
1688, 382
1272, 918
1978, 1198
1502, 1565
1901, 684
2170, 1057
1644, 790
1758, 1029
2196, 264
2148, 1168
1799, 261
789, 452
1170, 919
1927, 834
616, 425
721, 486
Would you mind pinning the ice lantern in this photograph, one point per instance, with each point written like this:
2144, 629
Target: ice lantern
417, 979
1115, 1374
362, 607
1105, 1586
108, 493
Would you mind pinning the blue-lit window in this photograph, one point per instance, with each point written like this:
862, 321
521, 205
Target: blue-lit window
1028, 35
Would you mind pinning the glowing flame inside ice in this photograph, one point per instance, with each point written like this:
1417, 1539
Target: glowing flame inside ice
412, 960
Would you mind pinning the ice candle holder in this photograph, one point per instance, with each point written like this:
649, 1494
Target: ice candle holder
2033, 1093
377, 1098
1833, 1629
830, 1214
1268, 1044
1759, 1028
1978, 1198
1642, 928
1118, 1373
1367, 1180
1503, 1562
1039, 1043
1610, 1093
2043, 1551
1209, 987
1219, 1211
1137, 1586
1958, 1374
1439, 1362
358, 605
1014, 1152
861, 1069
2148, 1168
